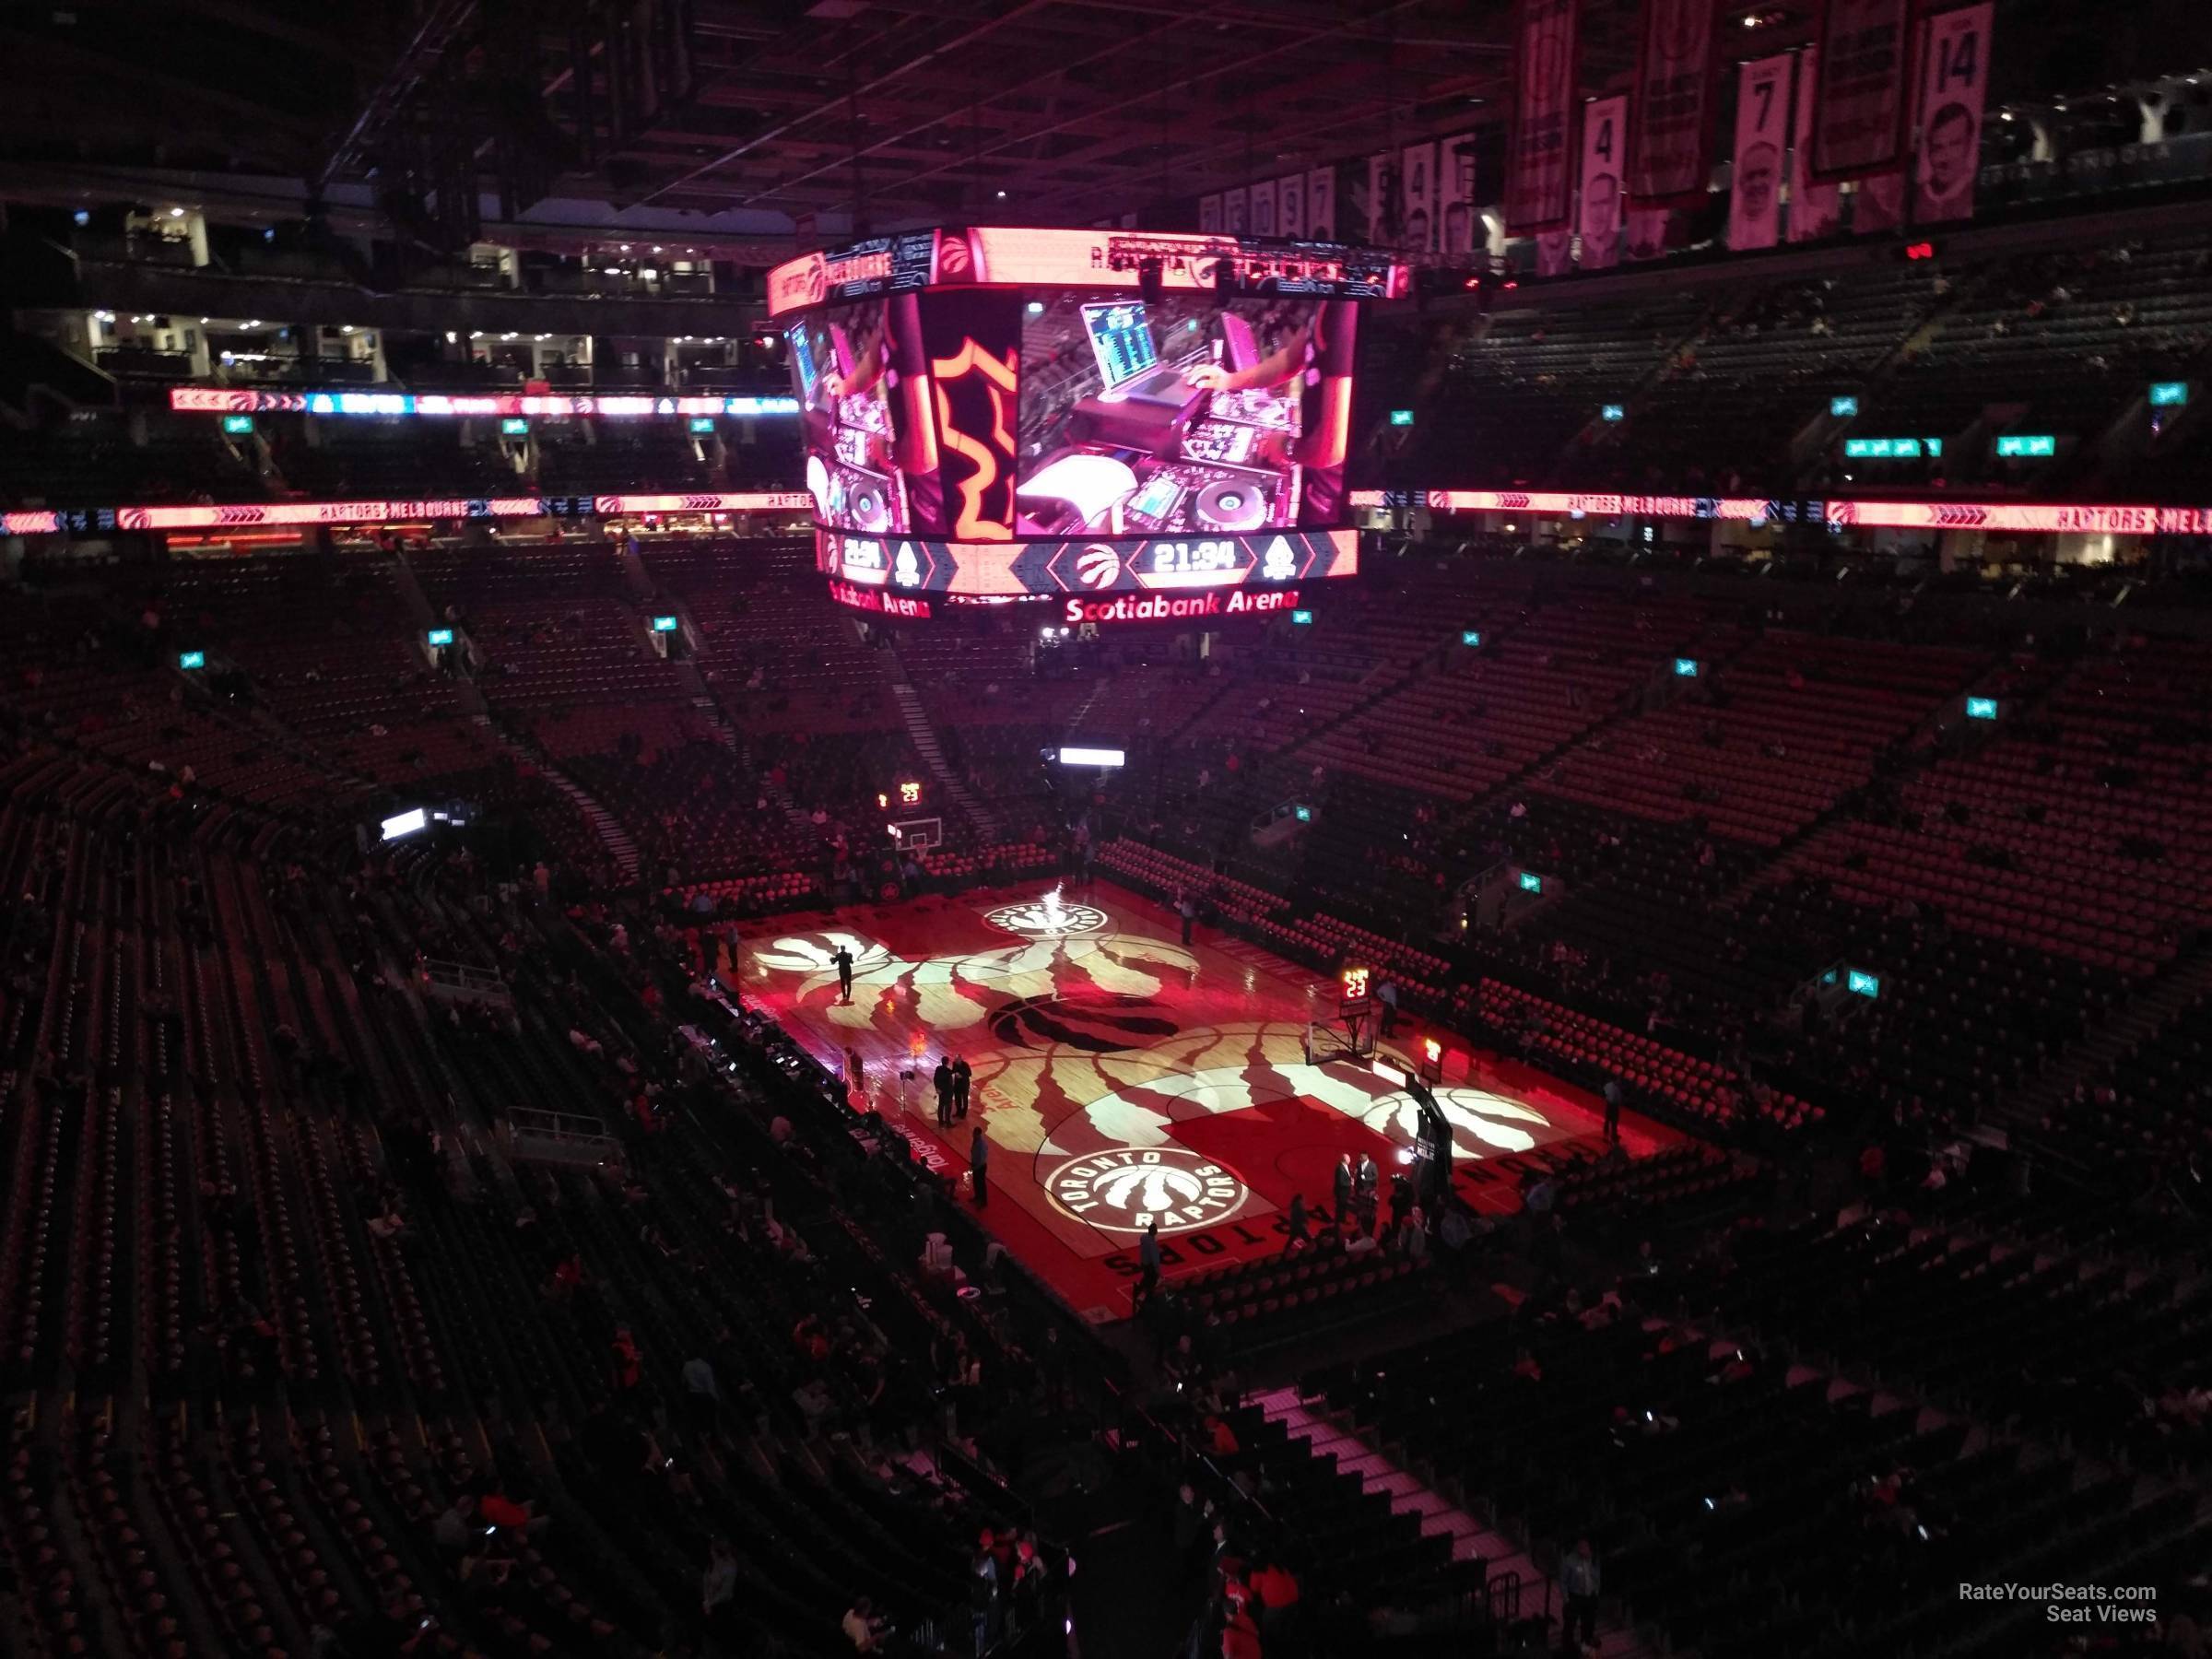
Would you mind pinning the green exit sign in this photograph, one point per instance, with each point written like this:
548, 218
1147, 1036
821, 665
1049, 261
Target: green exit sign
515, 427
238, 425
1401, 418
2169, 394
2026, 446
1531, 882
1843, 407
1613, 412
1981, 708
1891, 449
1470, 636
663, 625
703, 425
1302, 618
191, 659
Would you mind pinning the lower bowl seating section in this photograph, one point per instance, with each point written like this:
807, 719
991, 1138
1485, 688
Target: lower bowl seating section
1677, 1084
324, 1376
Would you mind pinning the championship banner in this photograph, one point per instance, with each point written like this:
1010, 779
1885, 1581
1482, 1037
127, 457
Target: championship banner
1456, 225
1954, 81
1859, 98
1261, 212
1209, 214
1320, 204
1539, 188
1674, 103
1815, 209
1417, 224
1763, 122
1605, 129
1290, 206
1233, 212
1381, 209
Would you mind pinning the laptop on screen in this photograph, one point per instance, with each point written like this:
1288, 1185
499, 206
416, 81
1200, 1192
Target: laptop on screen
1120, 339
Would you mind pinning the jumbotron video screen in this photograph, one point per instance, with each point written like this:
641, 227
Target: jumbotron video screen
992, 415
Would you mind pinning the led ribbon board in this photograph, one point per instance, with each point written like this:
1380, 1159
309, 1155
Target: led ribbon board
2056, 518
95, 521
507, 406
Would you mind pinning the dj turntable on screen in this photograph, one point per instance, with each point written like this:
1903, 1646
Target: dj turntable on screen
1201, 417
863, 390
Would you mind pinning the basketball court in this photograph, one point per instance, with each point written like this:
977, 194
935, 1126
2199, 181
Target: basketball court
1121, 1075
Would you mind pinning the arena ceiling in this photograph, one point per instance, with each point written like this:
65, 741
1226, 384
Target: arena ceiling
894, 111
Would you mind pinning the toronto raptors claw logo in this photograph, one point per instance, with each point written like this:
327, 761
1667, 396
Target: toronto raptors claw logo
816, 953
1129, 1189
1047, 919
1097, 565
1098, 1025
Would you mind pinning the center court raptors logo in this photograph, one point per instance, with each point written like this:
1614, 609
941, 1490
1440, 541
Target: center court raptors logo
1128, 1189
1036, 919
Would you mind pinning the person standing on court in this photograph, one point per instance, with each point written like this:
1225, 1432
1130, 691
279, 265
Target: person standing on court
1295, 1233
1147, 1258
942, 1080
843, 958
963, 1078
1366, 1181
1613, 1093
978, 1166
1344, 1190
1187, 908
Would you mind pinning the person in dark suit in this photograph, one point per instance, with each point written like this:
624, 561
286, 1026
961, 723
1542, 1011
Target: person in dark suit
963, 1078
942, 1080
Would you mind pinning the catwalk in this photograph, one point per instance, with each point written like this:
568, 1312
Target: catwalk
1120, 1074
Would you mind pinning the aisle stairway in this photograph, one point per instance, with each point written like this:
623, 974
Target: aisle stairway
1471, 1540
617, 839
925, 743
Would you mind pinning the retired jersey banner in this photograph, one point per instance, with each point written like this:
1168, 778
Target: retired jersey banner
1233, 212
1209, 214
1953, 80
1416, 171
1605, 131
1674, 103
1262, 220
1539, 184
1380, 208
1290, 205
1762, 126
1320, 204
1859, 103
1456, 222
1815, 209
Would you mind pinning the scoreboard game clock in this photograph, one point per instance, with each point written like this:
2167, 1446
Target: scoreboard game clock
994, 415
